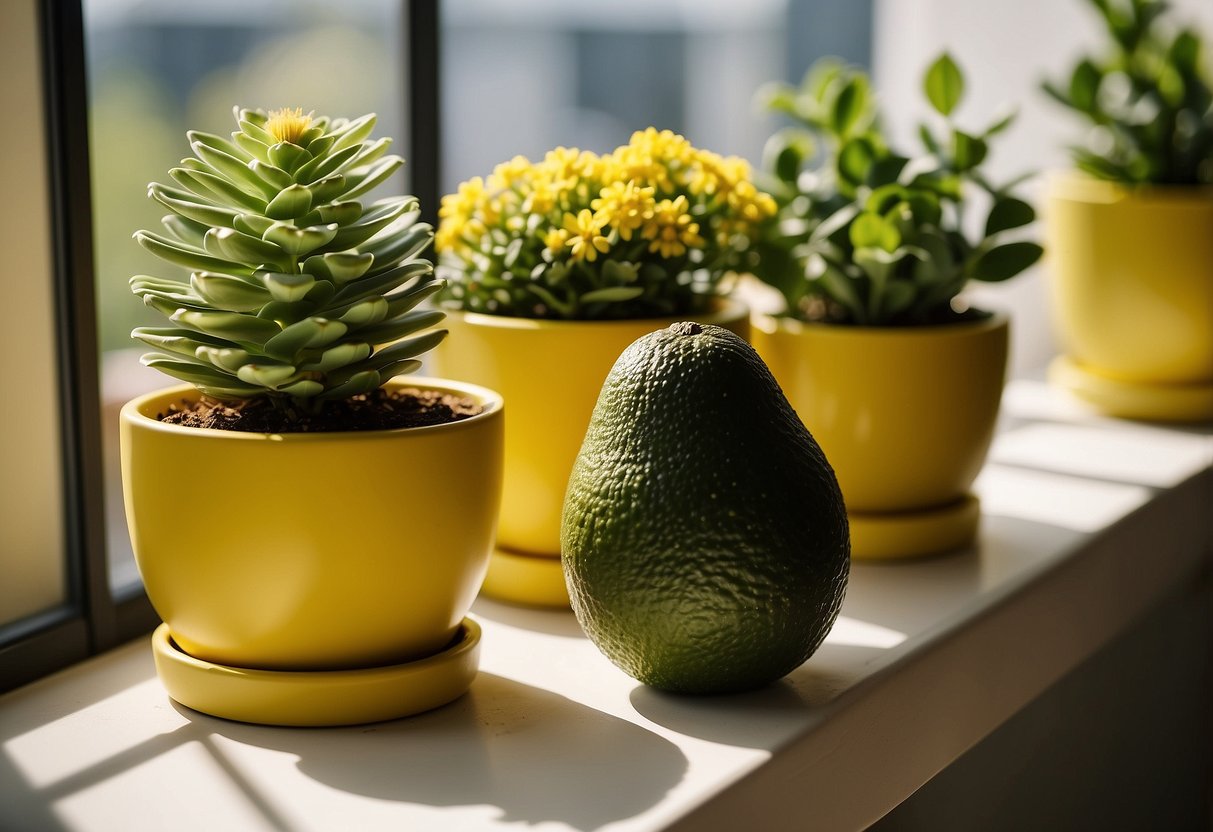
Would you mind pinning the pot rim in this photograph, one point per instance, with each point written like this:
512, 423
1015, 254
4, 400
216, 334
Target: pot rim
491, 401
770, 324
1077, 186
727, 309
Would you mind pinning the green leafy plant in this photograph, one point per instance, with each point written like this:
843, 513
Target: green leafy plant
1149, 100
649, 230
297, 291
867, 235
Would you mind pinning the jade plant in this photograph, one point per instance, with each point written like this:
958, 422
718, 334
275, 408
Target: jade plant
297, 290
871, 236
651, 229
1149, 99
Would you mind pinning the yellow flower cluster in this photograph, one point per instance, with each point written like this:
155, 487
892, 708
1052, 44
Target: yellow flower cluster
656, 196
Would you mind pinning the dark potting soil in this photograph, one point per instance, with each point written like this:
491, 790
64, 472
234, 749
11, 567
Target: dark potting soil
405, 407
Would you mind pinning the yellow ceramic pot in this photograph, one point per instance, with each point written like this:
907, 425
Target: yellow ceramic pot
312, 551
550, 373
904, 414
1132, 282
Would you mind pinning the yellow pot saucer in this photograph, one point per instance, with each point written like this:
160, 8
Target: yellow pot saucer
318, 698
911, 534
1134, 399
518, 578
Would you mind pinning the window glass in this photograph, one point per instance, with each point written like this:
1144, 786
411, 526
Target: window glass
526, 76
159, 69
32, 559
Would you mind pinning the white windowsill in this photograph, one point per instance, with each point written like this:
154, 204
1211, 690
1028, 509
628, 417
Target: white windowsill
928, 658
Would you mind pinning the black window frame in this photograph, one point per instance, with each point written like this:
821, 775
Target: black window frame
93, 618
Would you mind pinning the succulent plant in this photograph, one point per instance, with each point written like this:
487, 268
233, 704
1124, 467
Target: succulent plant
297, 291
867, 235
1149, 100
649, 230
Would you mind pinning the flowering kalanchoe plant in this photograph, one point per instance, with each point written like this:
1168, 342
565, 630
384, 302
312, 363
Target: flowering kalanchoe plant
870, 236
648, 230
297, 291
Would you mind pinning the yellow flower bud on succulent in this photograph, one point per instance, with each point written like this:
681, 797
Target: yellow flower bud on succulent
288, 124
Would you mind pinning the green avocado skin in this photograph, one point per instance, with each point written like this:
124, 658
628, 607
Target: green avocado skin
704, 537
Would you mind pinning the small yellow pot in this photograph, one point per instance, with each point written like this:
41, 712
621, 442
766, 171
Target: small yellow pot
550, 373
312, 551
1132, 287
904, 414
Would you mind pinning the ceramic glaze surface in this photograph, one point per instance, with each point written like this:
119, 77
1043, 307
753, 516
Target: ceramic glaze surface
550, 373
904, 415
1132, 279
312, 551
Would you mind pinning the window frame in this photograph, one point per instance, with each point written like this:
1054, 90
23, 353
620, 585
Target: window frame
93, 617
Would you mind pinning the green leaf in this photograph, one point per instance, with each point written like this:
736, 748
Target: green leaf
219, 143
928, 140
612, 294
323, 166
391, 248
967, 151
230, 293
352, 133
785, 152
253, 225
287, 156
871, 230
215, 188
230, 244
944, 84
275, 177
243, 329
885, 197
180, 341
256, 132
298, 241
1008, 213
288, 288
342, 213
362, 313
408, 348
189, 258
1006, 261
1001, 124
1084, 86
229, 359
387, 281
191, 206
849, 105
291, 203
234, 171
855, 160
361, 180
395, 328
369, 225
356, 385
1184, 52
271, 376
203, 376
308, 333
341, 355
340, 266
886, 170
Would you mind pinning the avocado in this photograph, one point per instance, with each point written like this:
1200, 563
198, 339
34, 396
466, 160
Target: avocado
704, 538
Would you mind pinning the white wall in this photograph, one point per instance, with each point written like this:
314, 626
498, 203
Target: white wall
1005, 47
